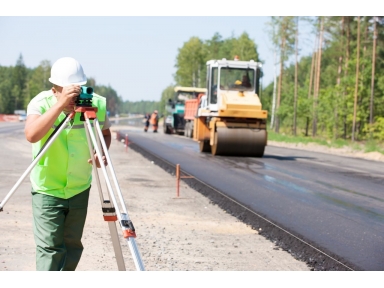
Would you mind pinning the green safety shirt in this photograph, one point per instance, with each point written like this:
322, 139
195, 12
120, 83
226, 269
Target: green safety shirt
63, 171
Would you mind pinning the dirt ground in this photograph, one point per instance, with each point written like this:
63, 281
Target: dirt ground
185, 233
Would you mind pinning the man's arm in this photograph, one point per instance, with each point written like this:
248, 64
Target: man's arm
37, 126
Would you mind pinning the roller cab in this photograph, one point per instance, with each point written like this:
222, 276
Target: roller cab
230, 119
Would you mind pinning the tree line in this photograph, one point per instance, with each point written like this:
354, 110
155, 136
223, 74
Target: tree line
191, 60
19, 84
336, 92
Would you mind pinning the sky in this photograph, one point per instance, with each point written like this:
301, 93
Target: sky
133, 47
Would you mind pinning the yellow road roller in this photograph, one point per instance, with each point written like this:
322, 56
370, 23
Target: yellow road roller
229, 119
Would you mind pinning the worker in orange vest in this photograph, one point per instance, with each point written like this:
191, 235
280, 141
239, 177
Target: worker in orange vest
155, 121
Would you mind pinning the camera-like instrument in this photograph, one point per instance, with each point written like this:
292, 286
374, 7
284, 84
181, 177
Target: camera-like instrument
85, 97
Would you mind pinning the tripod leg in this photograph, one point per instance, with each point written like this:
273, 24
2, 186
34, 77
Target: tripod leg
116, 246
34, 162
110, 217
108, 211
125, 223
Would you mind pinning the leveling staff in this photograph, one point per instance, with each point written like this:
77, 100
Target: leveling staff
61, 180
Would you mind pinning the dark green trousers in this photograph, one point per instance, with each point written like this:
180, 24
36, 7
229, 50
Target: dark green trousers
58, 228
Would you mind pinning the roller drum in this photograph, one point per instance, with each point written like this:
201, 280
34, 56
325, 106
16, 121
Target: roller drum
204, 146
239, 142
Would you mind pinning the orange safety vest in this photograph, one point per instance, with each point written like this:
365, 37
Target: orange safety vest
154, 119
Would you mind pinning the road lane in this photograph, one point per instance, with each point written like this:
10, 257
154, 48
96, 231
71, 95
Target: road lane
335, 202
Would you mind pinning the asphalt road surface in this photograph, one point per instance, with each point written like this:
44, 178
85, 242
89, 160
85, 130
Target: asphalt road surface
334, 203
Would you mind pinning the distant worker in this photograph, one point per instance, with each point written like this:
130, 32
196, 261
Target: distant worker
155, 121
147, 117
245, 82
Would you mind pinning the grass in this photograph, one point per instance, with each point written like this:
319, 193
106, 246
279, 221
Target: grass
362, 146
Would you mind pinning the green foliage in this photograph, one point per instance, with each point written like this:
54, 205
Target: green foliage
18, 85
374, 146
190, 64
168, 93
140, 107
38, 80
6, 103
334, 107
376, 129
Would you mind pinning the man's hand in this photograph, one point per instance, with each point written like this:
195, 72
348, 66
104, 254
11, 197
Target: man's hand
98, 165
67, 97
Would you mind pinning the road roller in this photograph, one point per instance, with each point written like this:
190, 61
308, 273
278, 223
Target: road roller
229, 119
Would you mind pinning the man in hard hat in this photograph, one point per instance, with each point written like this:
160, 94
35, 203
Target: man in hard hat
155, 121
61, 180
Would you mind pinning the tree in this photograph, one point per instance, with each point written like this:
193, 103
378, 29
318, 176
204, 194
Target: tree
373, 72
245, 48
38, 80
213, 47
357, 79
296, 71
6, 103
284, 39
190, 64
19, 84
168, 93
317, 78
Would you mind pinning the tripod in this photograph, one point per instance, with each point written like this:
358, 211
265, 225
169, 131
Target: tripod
112, 211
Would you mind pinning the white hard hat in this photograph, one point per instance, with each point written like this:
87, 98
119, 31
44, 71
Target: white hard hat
67, 71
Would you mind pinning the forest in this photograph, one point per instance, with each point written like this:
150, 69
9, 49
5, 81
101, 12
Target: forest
334, 93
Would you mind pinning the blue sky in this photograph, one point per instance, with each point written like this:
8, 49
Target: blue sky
133, 49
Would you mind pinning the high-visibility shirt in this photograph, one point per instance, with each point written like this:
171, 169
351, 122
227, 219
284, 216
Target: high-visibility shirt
154, 119
63, 171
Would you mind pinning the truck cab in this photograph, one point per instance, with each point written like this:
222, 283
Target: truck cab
174, 122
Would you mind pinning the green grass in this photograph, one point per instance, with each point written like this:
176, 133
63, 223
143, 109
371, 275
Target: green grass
362, 146
374, 146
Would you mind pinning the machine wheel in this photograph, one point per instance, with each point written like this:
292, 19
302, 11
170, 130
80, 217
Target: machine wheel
191, 130
214, 146
239, 142
166, 129
204, 146
187, 130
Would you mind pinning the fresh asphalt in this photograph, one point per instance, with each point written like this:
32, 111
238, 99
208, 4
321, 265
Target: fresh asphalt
333, 203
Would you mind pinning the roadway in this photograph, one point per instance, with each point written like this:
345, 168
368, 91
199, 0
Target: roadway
334, 203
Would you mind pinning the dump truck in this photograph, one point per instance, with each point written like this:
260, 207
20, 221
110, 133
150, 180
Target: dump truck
174, 121
229, 119
190, 112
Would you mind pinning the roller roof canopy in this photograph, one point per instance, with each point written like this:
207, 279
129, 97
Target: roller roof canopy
190, 89
234, 63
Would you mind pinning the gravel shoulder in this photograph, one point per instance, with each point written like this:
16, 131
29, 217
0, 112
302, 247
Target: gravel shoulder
345, 151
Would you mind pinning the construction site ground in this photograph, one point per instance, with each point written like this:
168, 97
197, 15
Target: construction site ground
184, 233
